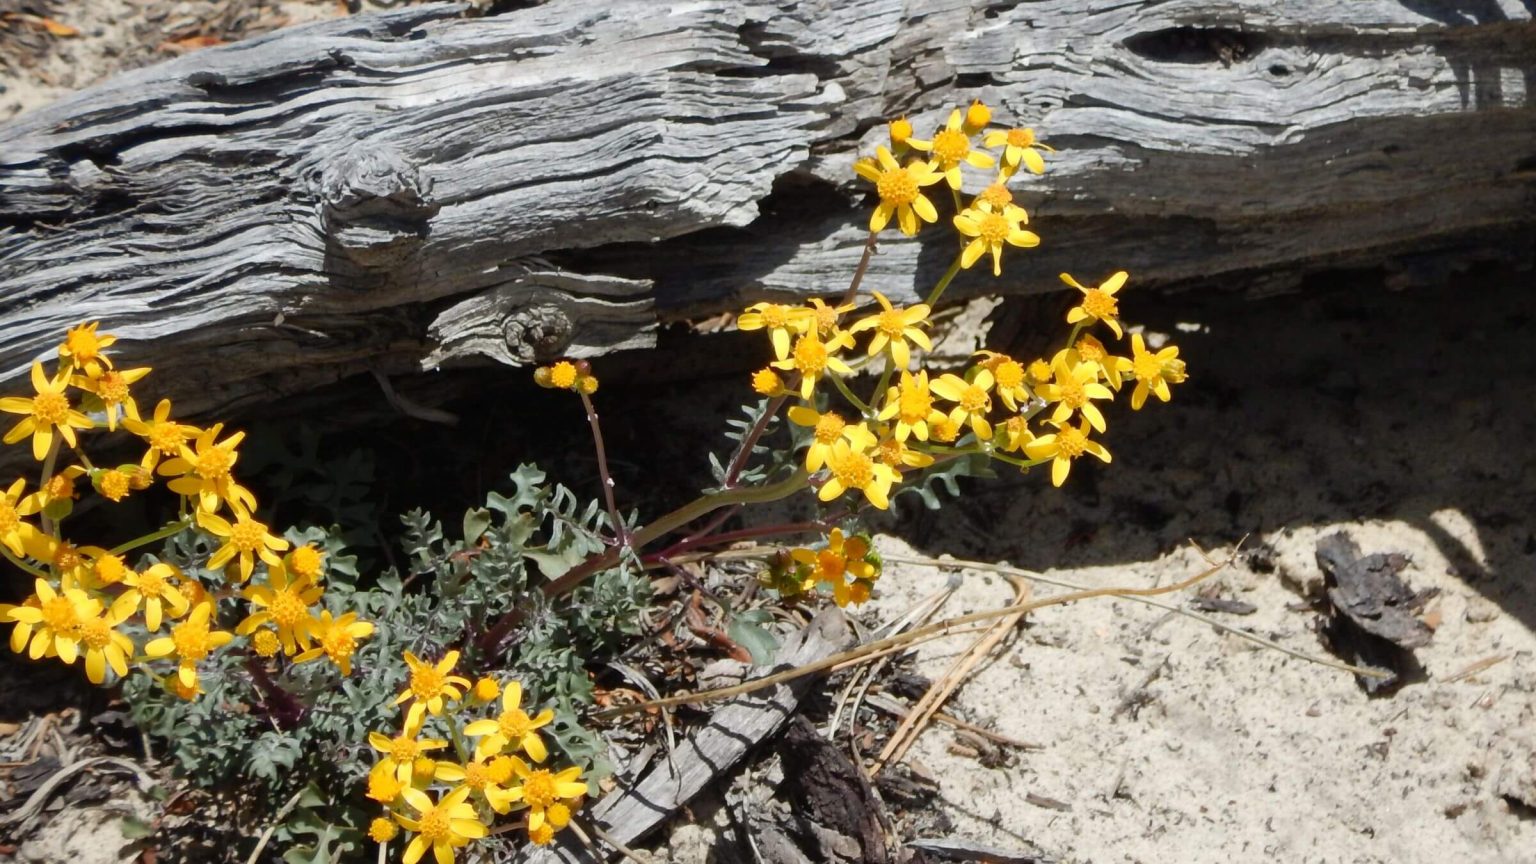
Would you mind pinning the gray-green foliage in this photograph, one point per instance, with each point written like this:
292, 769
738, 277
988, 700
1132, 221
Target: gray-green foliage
285, 730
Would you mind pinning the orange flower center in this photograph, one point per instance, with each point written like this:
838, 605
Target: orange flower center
114, 485
166, 437
66, 557
1091, 349
916, 403
951, 145
891, 322
1147, 368
287, 609
831, 565
1071, 392
247, 535
477, 776
828, 428
9, 519
383, 787
514, 725
95, 633
1099, 305
50, 409
775, 316
435, 827
110, 569
944, 430
853, 470
897, 188
766, 382
890, 452
151, 584
1040, 371
403, 749
59, 615
996, 196
826, 319
266, 643
58, 487
305, 562
214, 464
1009, 374
975, 400
994, 228
810, 356
1071, 442
539, 789
427, 682
112, 388
1021, 138
191, 640
338, 643
563, 375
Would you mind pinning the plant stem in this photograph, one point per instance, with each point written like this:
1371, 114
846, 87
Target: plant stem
842, 387
170, 530
688, 543
949, 276
859, 271
749, 440
49, 527
11, 556
602, 469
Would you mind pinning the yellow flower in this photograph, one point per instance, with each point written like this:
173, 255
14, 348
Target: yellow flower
47, 411
191, 641
1154, 372
813, 358
112, 387
487, 689
1111, 367
971, 399
1098, 303
1039, 371
782, 322
265, 643
542, 835
512, 727
383, 784
766, 382
106, 568
114, 484
56, 496
432, 684
306, 562
336, 639
828, 429
989, 230
14, 532
855, 469
1073, 385
950, 147
442, 827
164, 436
1021, 146
943, 430
892, 452
977, 117
285, 603
382, 830
541, 791
901, 130
52, 623
245, 538
827, 317
1064, 445
82, 349
994, 198
894, 326
1013, 435
103, 645
900, 189
202, 471
402, 752
156, 589
1008, 378
911, 404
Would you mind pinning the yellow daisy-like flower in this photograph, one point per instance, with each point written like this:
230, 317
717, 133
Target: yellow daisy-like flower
265, 642
382, 830
766, 382
156, 589
900, 130
1067, 443
285, 604
972, 400
977, 117
1099, 303
245, 539
191, 641
900, 188
202, 471
113, 388
336, 639
102, 645
994, 198
402, 752
51, 625
486, 689
894, 326
989, 230
442, 827
164, 436
943, 430
82, 349
541, 791
1038, 372
383, 784
841, 560
1013, 435
827, 317
829, 428
893, 452
1154, 372
1009, 378
57, 494
950, 147
910, 403
853, 468
1073, 386
813, 358
105, 568
1111, 367
432, 684
14, 530
48, 412
512, 728
306, 562
1019, 146
782, 323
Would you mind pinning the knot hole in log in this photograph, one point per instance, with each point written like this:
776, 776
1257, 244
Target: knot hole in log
1196, 45
537, 332
375, 211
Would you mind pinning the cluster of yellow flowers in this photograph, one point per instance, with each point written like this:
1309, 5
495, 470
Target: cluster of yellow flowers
847, 565
87, 600
489, 778
567, 375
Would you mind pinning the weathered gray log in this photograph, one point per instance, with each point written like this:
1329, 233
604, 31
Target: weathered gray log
416, 188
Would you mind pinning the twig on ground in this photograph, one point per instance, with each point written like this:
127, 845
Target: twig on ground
1137, 696
40, 797
924, 610
1475, 667
624, 851
898, 710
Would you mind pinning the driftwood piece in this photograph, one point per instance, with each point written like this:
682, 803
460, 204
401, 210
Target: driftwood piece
627, 814
1371, 613
414, 188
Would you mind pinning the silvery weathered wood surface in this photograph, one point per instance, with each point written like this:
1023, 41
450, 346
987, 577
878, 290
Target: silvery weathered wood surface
630, 812
410, 189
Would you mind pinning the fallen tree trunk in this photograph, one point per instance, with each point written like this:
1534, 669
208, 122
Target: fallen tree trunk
400, 191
